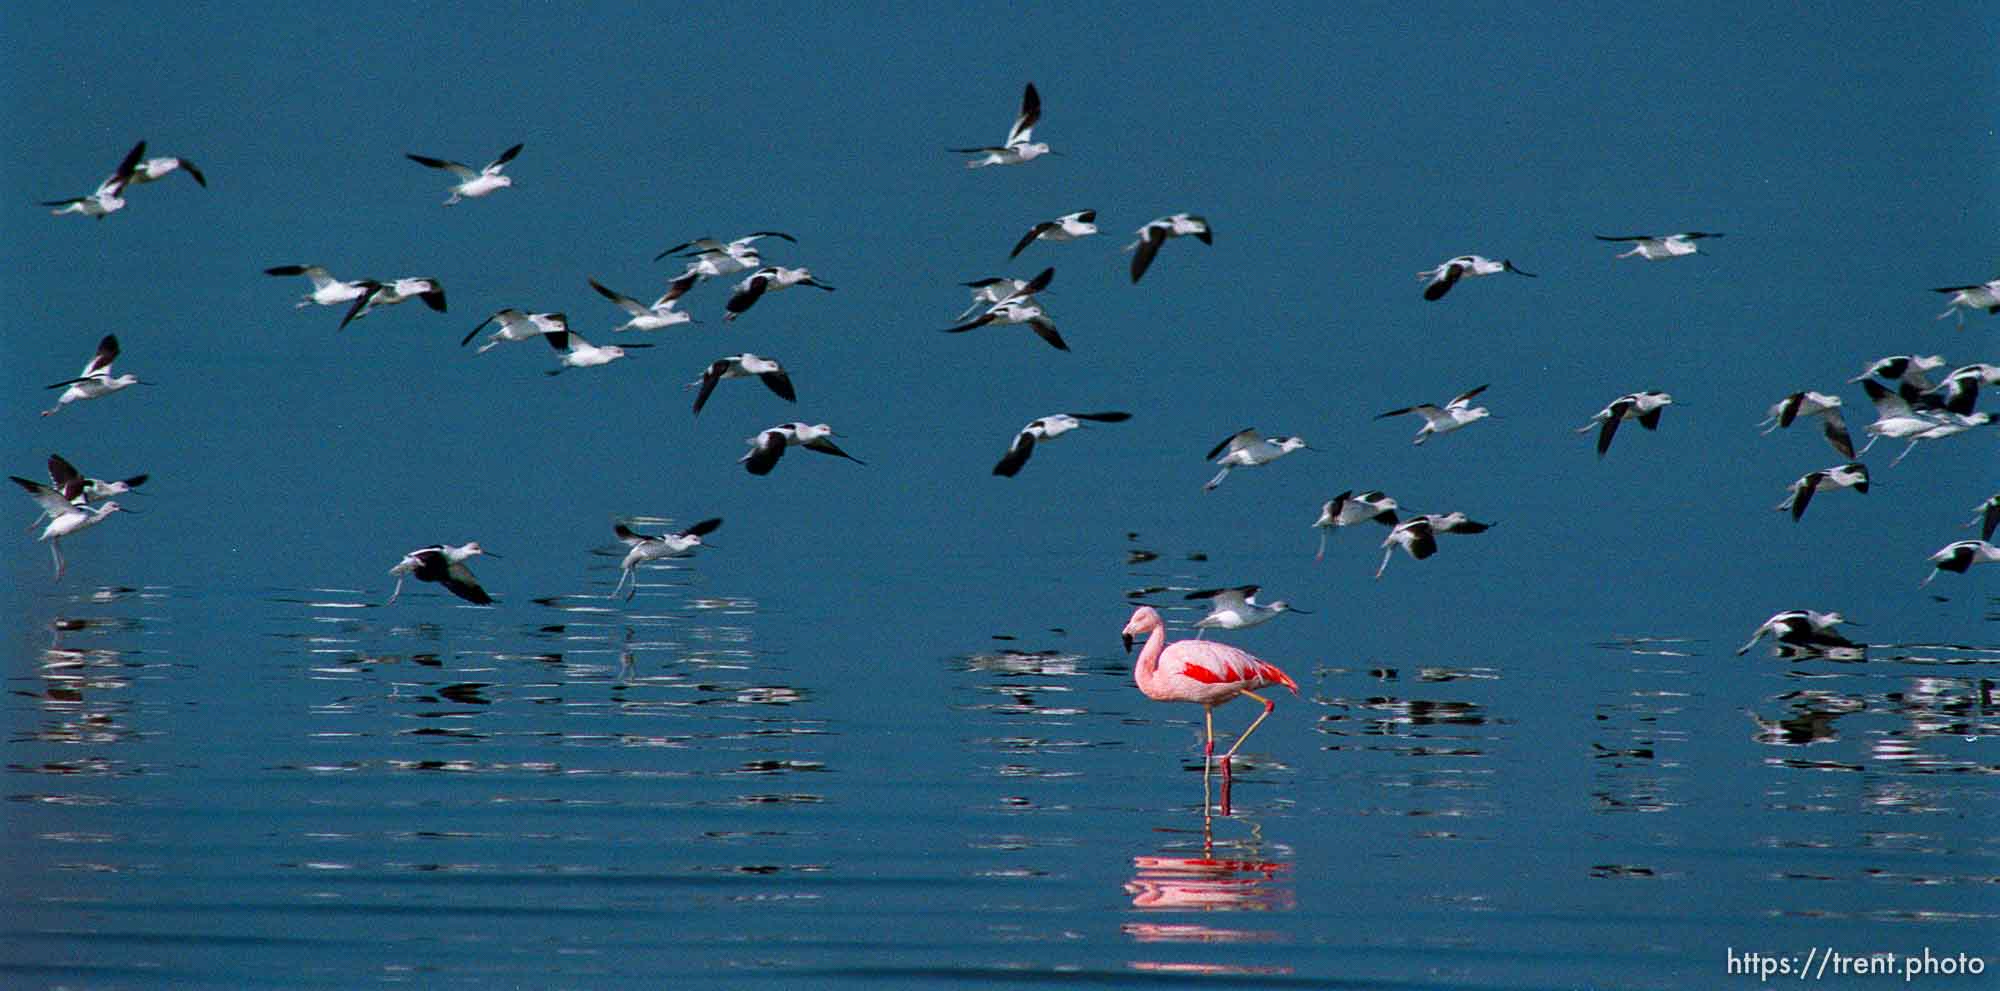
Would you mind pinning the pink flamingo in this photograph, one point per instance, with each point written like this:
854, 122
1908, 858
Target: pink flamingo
1200, 671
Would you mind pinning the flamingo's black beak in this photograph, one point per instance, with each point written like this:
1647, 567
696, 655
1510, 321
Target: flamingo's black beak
1128, 642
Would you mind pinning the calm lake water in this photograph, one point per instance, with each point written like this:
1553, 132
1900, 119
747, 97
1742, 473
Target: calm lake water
299, 787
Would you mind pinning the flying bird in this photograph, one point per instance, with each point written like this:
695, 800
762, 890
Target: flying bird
327, 290
1454, 415
1236, 609
66, 512
1247, 448
1900, 368
515, 325
1045, 429
1418, 535
1439, 280
768, 446
988, 291
1348, 508
651, 548
1848, 476
472, 183
108, 197
579, 353
155, 169
661, 314
1068, 227
1786, 411
1986, 516
431, 291
1644, 407
445, 565
1657, 247
1158, 231
1984, 296
714, 259
745, 365
1020, 307
96, 379
1020, 145
770, 278
1960, 555
1801, 628
62, 474
1203, 672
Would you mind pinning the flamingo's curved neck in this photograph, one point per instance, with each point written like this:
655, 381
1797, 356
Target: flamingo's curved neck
1149, 657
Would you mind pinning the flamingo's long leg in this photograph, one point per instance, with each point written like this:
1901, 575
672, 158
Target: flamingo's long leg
1227, 776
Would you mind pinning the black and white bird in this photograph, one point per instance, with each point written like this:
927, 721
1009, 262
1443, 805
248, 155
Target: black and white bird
1236, 609
768, 279
66, 512
1020, 307
109, 196
996, 289
1853, 475
745, 365
1644, 407
327, 290
646, 547
62, 474
713, 259
1896, 418
1786, 411
1349, 508
1156, 233
1959, 392
515, 325
1418, 535
1068, 227
1450, 417
1020, 145
1045, 429
661, 314
380, 294
1958, 556
472, 182
1656, 247
1439, 280
768, 446
96, 379
157, 168
445, 565
579, 353
1983, 296
1901, 368
1801, 628
1986, 516
1247, 448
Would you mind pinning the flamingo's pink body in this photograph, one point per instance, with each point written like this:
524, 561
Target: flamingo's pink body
1200, 671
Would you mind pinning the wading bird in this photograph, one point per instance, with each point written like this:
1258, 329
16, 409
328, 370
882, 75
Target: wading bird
1801, 628
661, 314
1247, 448
768, 446
1984, 296
1454, 415
1205, 673
1068, 227
1799, 404
579, 353
1848, 476
1347, 509
431, 291
1020, 307
515, 325
1644, 407
768, 279
1418, 535
470, 183
1237, 609
745, 365
1045, 429
109, 196
1657, 247
445, 565
327, 290
1960, 555
714, 259
67, 514
651, 548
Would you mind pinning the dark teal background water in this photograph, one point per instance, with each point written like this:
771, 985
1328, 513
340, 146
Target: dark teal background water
882, 733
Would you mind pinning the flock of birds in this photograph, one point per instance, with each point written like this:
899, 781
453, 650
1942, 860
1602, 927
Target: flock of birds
1909, 406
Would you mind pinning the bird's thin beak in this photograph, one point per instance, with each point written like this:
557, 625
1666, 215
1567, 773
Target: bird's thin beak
1301, 612
1128, 642
488, 554
134, 512
1851, 622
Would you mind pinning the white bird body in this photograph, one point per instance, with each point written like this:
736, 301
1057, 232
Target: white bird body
1247, 448
515, 325
155, 169
96, 380
1453, 415
988, 291
444, 564
380, 294
769, 279
327, 290
646, 548
472, 183
1896, 419
1021, 307
1439, 280
1236, 609
714, 259
1909, 368
1349, 508
66, 512
769, 445
1020, 145
1983, 296
1788, 410
1853, 475
1958, 556
1801, 627
1068, 227
745, 365
1644, 407
660, 314
1157, 232
579, 353
1659, 247
1048, 428
109, 196
1418, 535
